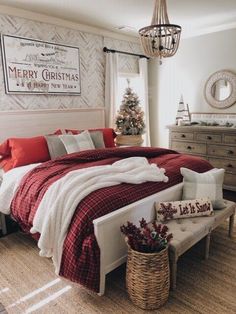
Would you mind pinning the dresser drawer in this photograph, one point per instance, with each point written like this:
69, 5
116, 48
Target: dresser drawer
228, 165
190, 147
221, 150
206, 137
181, 136
230, 179
230, 139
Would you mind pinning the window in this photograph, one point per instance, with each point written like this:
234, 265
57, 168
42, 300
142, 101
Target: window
135, 83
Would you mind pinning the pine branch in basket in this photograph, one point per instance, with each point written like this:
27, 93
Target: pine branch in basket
150, 238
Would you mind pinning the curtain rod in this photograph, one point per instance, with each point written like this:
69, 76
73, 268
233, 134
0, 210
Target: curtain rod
105, 49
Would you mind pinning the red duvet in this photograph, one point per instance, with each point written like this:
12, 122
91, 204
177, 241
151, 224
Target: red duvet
81, 255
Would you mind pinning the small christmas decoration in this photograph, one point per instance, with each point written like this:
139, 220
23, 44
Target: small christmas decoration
183, 113
186, 115
129, 119
180, 110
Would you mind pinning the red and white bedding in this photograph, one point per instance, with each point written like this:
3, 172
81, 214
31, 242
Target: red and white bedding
60, 201
81, 256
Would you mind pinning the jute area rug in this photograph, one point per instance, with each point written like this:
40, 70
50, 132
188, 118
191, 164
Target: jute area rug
28, 283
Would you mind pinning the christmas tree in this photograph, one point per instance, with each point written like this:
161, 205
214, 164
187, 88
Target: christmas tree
129, 119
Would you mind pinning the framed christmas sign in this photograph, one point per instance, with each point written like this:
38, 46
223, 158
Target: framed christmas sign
37, 67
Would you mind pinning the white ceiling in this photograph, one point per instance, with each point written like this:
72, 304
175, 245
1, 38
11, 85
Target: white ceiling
195, 16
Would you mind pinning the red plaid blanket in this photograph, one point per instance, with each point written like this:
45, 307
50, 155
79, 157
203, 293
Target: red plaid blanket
81, 255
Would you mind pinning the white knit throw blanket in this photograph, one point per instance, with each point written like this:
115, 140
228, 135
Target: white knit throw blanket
59, 203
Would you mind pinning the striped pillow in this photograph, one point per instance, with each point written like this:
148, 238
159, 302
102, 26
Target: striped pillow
77, 143
207, 184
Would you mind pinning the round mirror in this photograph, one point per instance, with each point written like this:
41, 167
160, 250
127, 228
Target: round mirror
220, 89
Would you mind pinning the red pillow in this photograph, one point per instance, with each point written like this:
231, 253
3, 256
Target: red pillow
74, 132
108, 135
58, 132
5, 149
25, 151
6, 163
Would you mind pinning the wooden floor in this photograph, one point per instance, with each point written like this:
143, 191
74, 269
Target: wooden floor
28, 283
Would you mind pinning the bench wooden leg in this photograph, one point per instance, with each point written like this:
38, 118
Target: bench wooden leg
231, 225
3, 224
207, 246
173, 273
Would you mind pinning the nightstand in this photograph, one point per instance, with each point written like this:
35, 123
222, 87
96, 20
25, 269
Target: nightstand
3, 226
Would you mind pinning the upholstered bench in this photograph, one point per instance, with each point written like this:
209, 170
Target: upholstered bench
187, 232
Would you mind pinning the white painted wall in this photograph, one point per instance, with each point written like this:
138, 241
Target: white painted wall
186, 73
153, 73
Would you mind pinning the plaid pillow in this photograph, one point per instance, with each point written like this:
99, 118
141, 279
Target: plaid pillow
207, 184
76, 143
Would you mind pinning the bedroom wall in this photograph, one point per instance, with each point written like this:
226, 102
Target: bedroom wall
92, 60
186, 73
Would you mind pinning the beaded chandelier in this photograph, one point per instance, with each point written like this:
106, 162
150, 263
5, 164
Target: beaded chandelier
160, 39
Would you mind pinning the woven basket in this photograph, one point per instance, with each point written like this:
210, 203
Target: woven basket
129, 140
147, 278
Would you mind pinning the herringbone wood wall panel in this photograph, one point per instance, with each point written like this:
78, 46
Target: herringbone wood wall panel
92, 60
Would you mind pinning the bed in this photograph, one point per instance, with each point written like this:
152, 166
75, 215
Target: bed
94, 245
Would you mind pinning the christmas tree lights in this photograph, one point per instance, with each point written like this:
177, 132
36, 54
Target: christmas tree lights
129, 119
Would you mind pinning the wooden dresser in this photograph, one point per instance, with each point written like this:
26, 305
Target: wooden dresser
216, 144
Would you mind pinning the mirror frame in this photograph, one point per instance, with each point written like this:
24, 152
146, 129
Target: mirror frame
220, 75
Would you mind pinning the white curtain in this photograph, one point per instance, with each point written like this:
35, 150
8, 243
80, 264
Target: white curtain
111, 88
143, 69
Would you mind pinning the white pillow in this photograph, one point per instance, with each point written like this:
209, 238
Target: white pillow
1, 175
207, 184
78, 142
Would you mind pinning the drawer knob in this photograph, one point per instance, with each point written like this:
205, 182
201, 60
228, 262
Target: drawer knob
183, 135
209, 137
189, 147
230, 152
230, 166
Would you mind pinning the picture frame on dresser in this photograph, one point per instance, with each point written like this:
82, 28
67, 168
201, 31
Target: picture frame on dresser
217, 144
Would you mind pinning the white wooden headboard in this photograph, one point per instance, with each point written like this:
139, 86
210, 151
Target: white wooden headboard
42, 122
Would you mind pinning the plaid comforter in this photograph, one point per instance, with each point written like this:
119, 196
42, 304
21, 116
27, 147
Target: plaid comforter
81, 255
